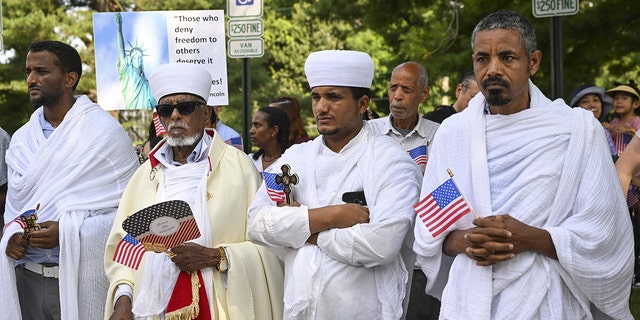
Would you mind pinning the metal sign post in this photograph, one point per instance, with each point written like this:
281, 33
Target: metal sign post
245, 41
555, 9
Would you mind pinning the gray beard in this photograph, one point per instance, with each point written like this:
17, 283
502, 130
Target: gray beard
184, 141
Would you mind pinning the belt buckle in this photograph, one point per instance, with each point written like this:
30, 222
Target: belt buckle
50, 272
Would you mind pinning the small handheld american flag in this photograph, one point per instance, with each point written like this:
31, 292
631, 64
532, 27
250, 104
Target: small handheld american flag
442, 207
235, 141
129, 252
28, 220
161, 226
157, 124
275, 190
419, 154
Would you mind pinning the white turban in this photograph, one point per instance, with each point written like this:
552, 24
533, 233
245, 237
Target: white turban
339, 68
175, 78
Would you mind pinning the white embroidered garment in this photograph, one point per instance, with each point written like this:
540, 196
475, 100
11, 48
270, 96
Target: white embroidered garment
179, 183
356, 272
79, 171
547, 166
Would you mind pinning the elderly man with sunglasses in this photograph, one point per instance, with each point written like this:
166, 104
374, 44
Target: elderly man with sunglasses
221, 274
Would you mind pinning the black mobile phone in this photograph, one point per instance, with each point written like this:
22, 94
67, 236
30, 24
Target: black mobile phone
354, 197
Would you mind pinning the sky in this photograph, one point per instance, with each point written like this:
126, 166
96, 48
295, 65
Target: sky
146, 29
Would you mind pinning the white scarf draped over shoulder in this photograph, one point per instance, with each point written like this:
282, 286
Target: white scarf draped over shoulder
547, 166
82, 168
185, 182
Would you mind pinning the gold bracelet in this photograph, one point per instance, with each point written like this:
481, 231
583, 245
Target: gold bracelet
223, 264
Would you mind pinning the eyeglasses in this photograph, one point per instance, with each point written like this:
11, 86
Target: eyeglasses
184, 107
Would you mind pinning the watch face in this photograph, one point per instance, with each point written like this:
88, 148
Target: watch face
223, 266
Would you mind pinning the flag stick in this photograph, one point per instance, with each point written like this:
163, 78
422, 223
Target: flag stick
463, 197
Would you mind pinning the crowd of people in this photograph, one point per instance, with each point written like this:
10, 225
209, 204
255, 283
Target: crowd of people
483, 209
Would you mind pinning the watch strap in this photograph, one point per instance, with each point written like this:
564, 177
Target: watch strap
223, 257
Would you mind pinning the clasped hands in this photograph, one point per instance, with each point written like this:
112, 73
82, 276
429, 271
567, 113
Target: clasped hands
494, 239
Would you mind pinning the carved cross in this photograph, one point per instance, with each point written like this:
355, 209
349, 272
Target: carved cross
287, 180
30, 224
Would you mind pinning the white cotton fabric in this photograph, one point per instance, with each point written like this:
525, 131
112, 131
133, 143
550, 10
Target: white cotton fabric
79, 171
342, 68
257, 162
353, 273
547, 166
176, 78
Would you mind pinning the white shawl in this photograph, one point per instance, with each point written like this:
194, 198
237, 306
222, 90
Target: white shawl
81, 169
184, 182
547, 166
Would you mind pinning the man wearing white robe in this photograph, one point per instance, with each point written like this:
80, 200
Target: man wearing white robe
218, 182
342, 261
72, 161
553, 239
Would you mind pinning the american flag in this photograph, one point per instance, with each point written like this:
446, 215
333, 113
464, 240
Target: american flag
275, 190
129, 252
25, 214
419, 154
442, 207
621, 141
235, 141
18, 219
163, 216
158, 125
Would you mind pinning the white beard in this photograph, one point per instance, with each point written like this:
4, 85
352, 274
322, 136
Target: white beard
184, 141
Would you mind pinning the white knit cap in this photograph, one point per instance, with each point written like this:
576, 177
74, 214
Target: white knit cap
176, 78
340, 68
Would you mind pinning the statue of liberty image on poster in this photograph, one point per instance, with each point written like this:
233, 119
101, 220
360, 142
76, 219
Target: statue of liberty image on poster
134, 84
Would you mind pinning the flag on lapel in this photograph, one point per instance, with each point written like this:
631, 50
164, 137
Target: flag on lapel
235, 141
129, 252
442, 207
419, 154
275, 190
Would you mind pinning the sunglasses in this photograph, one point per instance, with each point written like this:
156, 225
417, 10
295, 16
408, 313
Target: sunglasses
184, 107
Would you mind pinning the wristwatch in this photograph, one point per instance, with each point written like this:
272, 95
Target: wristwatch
223, 264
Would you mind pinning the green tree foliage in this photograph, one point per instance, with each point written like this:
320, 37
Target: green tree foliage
25, 22
597, 47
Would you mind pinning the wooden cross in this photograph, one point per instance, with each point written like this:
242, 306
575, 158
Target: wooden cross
287, 180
